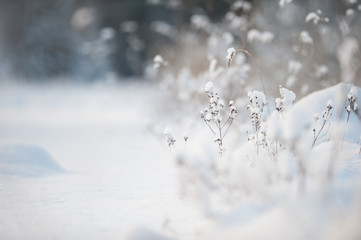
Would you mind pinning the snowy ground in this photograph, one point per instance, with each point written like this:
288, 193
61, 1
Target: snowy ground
117, 176
80, 162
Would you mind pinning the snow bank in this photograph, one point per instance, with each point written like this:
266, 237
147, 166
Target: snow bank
300, 119
27, 161
290, 180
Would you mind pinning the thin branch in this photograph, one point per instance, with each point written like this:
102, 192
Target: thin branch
209, 126
230, 123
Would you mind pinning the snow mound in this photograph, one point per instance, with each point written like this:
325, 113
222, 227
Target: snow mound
27, 161
301, 117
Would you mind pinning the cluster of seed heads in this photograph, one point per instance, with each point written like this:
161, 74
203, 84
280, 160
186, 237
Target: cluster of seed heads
212, 115
255, 109
325, 116
351, 97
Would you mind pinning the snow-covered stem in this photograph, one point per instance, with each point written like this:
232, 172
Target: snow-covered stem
325, 116
352, 106
255, 110
212, 115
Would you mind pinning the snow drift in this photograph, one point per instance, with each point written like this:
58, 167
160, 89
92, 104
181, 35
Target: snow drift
27, 161
306, 177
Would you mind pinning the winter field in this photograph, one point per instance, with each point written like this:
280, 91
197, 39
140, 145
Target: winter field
242, 126
82, 162
79, 162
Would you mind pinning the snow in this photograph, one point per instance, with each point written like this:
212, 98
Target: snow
208, 88
305, 37
200, 21
159, 62
83, 165
77, 162
27, 161
241, 5
256, 35
282, 3
350, 12
275, 200
294, 67
168, 133
312, 17
301, 115
286, 101
230, 54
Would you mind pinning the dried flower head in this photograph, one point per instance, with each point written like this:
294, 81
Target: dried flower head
231, 52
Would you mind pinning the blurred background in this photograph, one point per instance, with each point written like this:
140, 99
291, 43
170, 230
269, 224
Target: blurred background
88, 40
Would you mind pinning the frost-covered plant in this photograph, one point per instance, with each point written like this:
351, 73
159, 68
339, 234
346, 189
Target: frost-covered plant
286, 101
169, 137
213, 115
255, 111
325, 117
291, 128
352, 105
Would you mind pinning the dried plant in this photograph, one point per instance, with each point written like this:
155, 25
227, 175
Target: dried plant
325, 117
213, 115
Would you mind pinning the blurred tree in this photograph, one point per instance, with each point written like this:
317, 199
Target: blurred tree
36, 38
